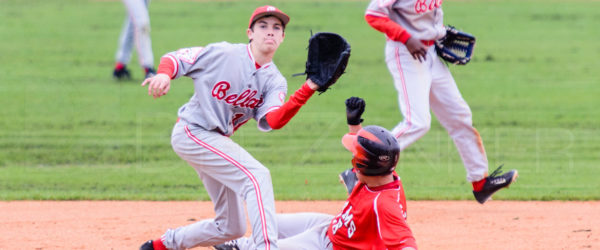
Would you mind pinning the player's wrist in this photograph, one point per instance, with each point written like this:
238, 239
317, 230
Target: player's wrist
353, 120
163, 75
353, 129
310, 84
404, 37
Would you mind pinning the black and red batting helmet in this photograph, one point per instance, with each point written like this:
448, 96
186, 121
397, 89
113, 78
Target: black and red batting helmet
375, 150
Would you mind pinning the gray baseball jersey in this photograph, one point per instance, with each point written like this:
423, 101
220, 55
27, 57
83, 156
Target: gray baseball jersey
224, 98
428, 86
229, 89
421, 18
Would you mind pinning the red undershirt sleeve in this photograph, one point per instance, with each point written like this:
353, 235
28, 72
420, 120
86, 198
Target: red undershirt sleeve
281, 116
393, 30
167, 66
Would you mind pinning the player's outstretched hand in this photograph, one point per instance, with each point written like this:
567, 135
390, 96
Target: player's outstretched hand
355, 106
417, 49
158, 85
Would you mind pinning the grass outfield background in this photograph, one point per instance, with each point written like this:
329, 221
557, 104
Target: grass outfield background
68, 131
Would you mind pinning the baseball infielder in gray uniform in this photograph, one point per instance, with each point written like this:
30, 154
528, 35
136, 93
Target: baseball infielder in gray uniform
425, 83
233, 83
136, 31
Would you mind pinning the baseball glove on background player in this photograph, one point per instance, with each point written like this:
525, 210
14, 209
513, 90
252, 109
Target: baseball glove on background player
456, 47
328, 55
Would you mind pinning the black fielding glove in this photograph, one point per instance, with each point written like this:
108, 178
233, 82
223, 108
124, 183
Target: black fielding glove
328, 55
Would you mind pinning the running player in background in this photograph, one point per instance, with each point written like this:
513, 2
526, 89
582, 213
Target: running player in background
374, 215
136, 31
424, 82
232, 84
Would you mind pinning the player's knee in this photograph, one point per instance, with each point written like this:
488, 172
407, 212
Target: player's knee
421, 129
232, 228
259, 178
142, 28
262, 173
235, 233
465, 122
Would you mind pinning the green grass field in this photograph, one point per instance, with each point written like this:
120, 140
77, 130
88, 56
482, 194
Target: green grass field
68, 131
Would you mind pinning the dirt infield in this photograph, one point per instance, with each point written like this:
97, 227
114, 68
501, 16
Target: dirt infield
436, 224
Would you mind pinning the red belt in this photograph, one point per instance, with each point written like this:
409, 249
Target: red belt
428, 42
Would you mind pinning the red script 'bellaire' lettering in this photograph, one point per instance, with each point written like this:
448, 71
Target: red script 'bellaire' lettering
245, 99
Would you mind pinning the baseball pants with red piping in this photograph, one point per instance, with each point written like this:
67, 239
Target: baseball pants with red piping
231, 176
429, 86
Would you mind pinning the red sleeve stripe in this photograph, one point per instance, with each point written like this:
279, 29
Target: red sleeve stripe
391, 29
386, 3
273, 108
175, 64
168, 65
375, 13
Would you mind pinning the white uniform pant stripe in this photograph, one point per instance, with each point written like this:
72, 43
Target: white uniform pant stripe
412, 82
407, 119
252, 178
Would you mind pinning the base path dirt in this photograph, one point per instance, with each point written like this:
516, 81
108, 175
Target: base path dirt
436, 224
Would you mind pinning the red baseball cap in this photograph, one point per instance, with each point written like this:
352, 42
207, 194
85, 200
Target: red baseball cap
268, 10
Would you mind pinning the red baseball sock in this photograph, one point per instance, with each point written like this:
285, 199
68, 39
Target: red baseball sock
119, 66
478, 185
158, 245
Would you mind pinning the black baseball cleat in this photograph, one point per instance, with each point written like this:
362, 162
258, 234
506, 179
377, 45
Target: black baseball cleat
150, 72
349, 179
147, 245
229, 245
122, 74
494, 183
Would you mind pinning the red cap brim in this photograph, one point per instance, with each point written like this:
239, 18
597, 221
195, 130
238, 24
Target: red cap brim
266, 11
283, 17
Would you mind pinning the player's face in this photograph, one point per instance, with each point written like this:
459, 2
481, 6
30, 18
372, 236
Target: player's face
266, 34
360, 176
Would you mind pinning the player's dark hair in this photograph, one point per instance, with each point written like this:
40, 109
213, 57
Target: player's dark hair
282, 23
252, 25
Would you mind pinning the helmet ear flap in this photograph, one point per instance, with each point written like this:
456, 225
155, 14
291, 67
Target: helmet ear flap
358, 164
354, 163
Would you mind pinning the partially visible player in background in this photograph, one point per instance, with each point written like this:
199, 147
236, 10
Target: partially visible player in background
136, 31
374, 215
424, 82
233, 83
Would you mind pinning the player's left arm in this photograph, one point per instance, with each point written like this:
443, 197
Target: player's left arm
378, 18
280, 117
173, 65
